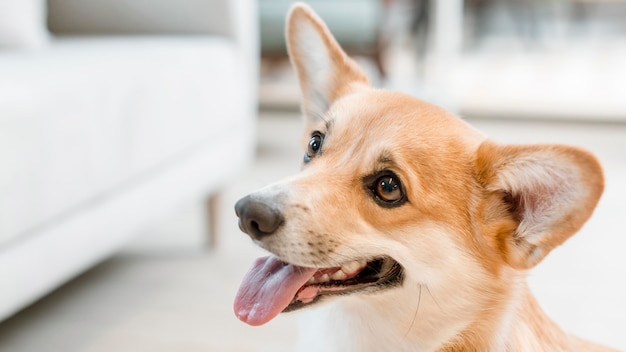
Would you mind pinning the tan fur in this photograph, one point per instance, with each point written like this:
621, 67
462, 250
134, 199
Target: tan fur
478, 214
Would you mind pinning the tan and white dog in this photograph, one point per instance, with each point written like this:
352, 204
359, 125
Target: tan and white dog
407, 229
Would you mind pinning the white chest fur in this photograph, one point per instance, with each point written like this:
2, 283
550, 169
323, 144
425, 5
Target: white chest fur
352, 325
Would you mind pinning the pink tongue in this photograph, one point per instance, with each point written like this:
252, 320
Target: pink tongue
268, 288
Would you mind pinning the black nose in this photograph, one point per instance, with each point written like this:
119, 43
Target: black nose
256, 218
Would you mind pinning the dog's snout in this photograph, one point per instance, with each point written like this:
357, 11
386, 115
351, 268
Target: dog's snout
256, 218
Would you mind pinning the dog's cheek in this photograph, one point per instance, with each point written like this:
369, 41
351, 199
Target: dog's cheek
387, 221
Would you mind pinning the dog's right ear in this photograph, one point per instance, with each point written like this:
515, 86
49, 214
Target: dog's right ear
324, 70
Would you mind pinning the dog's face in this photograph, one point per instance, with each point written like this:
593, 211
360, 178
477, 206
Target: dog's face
395, 190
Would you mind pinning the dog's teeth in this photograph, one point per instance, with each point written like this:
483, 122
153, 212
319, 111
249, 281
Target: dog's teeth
352, 267
348, 267
339, 275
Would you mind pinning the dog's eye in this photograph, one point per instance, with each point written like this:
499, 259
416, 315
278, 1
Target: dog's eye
315, 144
388, 189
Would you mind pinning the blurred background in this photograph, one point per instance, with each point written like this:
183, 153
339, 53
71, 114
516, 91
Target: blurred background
129, 128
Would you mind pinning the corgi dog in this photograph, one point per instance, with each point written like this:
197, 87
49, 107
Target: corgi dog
407, 229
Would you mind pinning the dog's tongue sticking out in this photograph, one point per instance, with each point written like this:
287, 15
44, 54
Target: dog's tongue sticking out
268, 288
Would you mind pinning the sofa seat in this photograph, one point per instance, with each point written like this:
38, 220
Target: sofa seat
131, 103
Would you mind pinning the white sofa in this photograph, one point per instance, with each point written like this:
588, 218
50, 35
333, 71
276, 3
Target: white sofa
128, 110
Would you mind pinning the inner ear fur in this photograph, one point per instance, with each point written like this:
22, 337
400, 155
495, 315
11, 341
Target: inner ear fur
535, 197
324, 71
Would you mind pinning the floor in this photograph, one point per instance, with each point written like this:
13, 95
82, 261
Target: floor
170, 295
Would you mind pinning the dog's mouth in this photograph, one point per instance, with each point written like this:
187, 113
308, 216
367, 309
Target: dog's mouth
272, 286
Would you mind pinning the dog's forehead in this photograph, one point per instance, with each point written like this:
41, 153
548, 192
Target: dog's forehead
387, 121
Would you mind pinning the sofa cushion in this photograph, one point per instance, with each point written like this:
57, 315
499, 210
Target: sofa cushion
22, 24
94, 114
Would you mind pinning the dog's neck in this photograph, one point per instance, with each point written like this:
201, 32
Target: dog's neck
520, 325
384, 323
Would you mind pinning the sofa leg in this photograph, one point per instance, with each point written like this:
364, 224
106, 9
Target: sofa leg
212, 209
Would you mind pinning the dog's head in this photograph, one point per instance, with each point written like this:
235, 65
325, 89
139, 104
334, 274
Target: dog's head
395, 190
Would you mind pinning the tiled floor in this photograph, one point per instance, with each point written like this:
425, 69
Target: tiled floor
179, 298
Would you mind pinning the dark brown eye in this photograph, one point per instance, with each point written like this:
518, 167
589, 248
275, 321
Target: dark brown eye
388, 189
315, 144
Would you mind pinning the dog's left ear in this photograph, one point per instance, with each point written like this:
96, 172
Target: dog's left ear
536, 197
324, 70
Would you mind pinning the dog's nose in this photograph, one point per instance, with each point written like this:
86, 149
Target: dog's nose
256, 218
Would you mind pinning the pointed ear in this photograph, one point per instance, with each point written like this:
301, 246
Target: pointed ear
536, 197
324, 70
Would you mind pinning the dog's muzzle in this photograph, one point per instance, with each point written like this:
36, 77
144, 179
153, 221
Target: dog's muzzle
257, 218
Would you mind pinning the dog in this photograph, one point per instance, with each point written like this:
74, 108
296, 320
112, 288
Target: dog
407, 228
